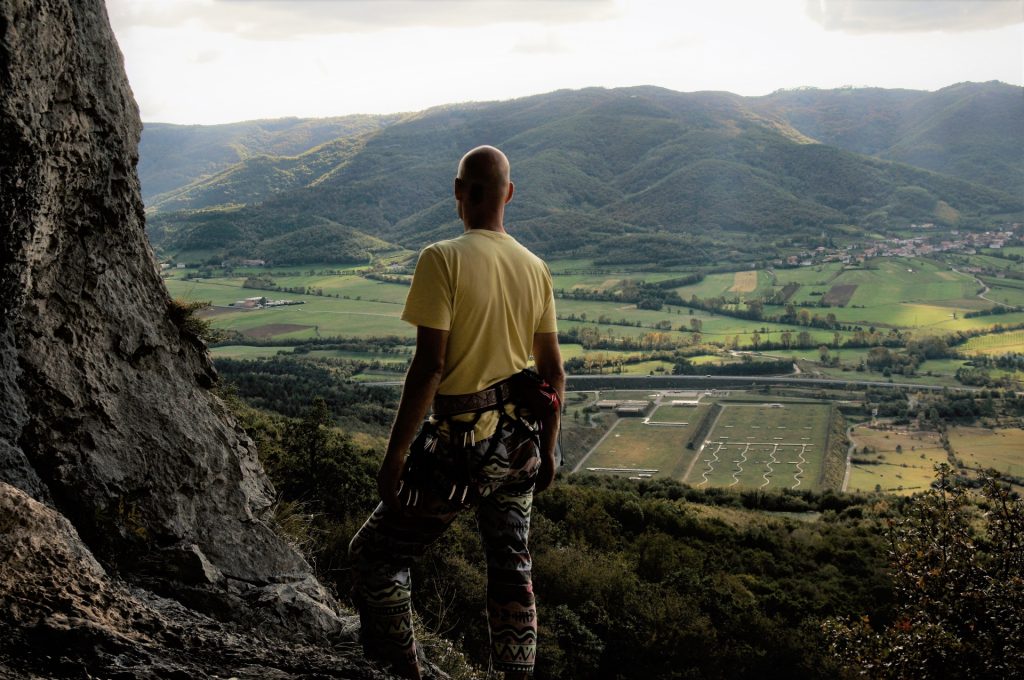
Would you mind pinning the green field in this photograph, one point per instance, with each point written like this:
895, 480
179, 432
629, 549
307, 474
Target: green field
884, 468
715, 328
634, 448
318, 316
774, 445
922, 296
752, 444
247, 352
981, 448
995, 343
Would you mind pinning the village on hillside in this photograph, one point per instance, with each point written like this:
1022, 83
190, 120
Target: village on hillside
967, 243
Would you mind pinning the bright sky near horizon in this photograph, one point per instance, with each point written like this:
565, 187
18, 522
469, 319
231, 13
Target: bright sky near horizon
216, 61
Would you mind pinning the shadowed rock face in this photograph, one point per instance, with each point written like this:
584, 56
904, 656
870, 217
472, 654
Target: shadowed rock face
106, 418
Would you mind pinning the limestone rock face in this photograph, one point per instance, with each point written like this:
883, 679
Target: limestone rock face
106, 421
65, 616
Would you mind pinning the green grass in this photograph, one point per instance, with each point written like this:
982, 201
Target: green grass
585, 275
908, 471
715, 327
634, 445
247, 352
321, 316
713, 285
1002, 449
929, 300
1005, 294
351, 285
754, 445
995, 343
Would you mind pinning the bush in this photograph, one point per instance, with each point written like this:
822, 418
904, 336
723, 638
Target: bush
958, 570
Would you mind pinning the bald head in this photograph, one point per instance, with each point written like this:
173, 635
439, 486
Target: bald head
482, 187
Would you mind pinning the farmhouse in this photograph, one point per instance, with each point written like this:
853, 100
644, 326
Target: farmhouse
632, 408
261, 302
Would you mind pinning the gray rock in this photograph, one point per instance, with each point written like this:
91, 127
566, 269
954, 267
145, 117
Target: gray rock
110, 440
65, 616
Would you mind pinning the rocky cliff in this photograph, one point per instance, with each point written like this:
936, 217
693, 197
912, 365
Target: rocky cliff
133, 533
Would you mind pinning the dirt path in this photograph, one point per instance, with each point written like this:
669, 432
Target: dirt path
849, 456
984, 288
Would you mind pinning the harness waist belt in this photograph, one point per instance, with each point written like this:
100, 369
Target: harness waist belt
452, 404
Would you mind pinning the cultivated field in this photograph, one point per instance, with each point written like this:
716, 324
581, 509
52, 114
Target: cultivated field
1001, 449
636, 449
995, 343
897, 461
773, 445
744, 282
922, 296
318, 316
750, 444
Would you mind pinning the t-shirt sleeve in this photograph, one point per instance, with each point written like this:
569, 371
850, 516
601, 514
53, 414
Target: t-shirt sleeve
430, 297
548, 322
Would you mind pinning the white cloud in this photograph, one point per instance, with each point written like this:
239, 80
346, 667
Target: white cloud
542, 43
198, 61
206, 56
901, 16
287, 19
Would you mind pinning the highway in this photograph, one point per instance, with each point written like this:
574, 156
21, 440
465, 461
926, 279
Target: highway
578, 383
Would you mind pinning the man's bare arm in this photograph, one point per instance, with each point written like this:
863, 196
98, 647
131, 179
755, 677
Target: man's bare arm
548, 359
421, 384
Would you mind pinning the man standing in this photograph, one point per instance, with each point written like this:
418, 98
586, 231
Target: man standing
481, 304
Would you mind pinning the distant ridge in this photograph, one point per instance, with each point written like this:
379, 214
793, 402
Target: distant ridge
598, 169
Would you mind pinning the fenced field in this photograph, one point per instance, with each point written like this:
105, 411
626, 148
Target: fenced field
637, 449
770, 446
723, 442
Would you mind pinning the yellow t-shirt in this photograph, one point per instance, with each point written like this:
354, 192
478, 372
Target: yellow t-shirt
491, 294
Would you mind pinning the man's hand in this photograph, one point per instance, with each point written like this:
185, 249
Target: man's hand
548, 359
546, 474
388, 478
421, 383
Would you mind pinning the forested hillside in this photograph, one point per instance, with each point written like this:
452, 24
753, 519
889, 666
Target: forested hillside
973, 131
593, 166
174, 156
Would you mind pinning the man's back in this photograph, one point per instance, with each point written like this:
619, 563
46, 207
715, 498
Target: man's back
482, 304
492, 295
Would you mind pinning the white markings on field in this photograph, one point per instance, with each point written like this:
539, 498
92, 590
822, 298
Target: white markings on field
767, 475
716, 449
800, 467
648, 471
711, 464
739, 466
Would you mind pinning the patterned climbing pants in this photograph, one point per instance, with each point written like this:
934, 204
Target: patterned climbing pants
501, 476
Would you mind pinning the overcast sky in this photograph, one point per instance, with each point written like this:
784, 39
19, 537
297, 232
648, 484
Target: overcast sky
214, 61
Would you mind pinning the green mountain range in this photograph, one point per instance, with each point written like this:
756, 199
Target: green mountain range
632, 174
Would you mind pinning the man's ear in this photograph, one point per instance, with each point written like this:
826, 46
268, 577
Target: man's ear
511, 190
459, 188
